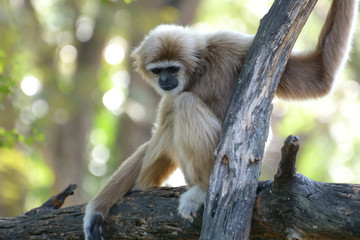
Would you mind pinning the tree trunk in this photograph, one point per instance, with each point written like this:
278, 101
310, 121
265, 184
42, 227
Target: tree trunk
67, 143
239, 155
289, 207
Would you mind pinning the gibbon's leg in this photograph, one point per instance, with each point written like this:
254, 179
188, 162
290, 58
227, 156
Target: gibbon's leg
149, 166
159, 161
309, 75
196, 133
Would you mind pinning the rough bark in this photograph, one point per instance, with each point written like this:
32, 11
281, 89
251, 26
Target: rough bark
295, 207
239, 155
289, 207
141, 215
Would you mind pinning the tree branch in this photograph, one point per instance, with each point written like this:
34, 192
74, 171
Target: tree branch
58, 200
295, 208
235, 175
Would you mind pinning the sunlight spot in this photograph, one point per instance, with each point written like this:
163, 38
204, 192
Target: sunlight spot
97, 169
258, 7
113, 99
339, 131
40, 108
84, 28
100, 154
114, 52
42, 4
347, 150
352, 90
347, 109
135, 111
68, 54
280, 109
341, 173
121, 79
30, 85
176, 179
98, 136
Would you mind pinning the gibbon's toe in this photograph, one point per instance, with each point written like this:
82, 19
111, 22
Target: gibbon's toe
189, 209
191, 201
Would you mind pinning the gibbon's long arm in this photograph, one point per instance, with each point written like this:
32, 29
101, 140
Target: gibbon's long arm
309, 75
120, 183
149, 166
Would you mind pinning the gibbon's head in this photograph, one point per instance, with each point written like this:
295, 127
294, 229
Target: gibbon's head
167, 57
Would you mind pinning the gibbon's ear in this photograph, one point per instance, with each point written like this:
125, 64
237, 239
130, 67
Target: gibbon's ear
135, 56
135, 52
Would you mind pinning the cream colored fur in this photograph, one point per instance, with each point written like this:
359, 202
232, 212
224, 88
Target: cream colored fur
190, 116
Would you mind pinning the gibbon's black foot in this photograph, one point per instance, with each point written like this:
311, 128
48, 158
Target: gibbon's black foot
93, 231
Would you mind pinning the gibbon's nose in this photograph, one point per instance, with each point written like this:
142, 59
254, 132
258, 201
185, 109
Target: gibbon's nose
163, 78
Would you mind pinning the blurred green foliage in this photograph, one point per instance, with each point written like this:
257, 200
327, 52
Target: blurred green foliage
11, 138
24, 181
5, 82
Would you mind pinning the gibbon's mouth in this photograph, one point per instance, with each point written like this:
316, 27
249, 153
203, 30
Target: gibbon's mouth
168, 87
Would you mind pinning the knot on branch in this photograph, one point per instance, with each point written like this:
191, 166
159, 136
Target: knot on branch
55, 202
287, 169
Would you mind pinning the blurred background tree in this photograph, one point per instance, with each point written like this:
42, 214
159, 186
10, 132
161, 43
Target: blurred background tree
71, 108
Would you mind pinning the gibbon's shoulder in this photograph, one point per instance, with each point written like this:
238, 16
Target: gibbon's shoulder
230, 39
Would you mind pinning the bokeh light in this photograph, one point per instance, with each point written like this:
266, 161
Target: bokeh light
114, 52
30, 85
84, 28
68, 54
40, 108
113, 99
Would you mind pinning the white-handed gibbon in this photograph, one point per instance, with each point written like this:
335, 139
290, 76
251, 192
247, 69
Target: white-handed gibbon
196, 73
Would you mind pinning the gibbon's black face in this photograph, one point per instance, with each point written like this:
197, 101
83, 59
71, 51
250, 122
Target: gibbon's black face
168, 79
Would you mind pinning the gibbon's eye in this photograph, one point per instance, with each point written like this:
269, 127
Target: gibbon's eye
173, 69
156, 71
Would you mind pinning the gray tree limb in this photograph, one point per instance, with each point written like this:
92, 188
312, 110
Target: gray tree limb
239, 155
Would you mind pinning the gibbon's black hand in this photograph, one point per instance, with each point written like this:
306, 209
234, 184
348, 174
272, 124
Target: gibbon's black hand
94, 229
